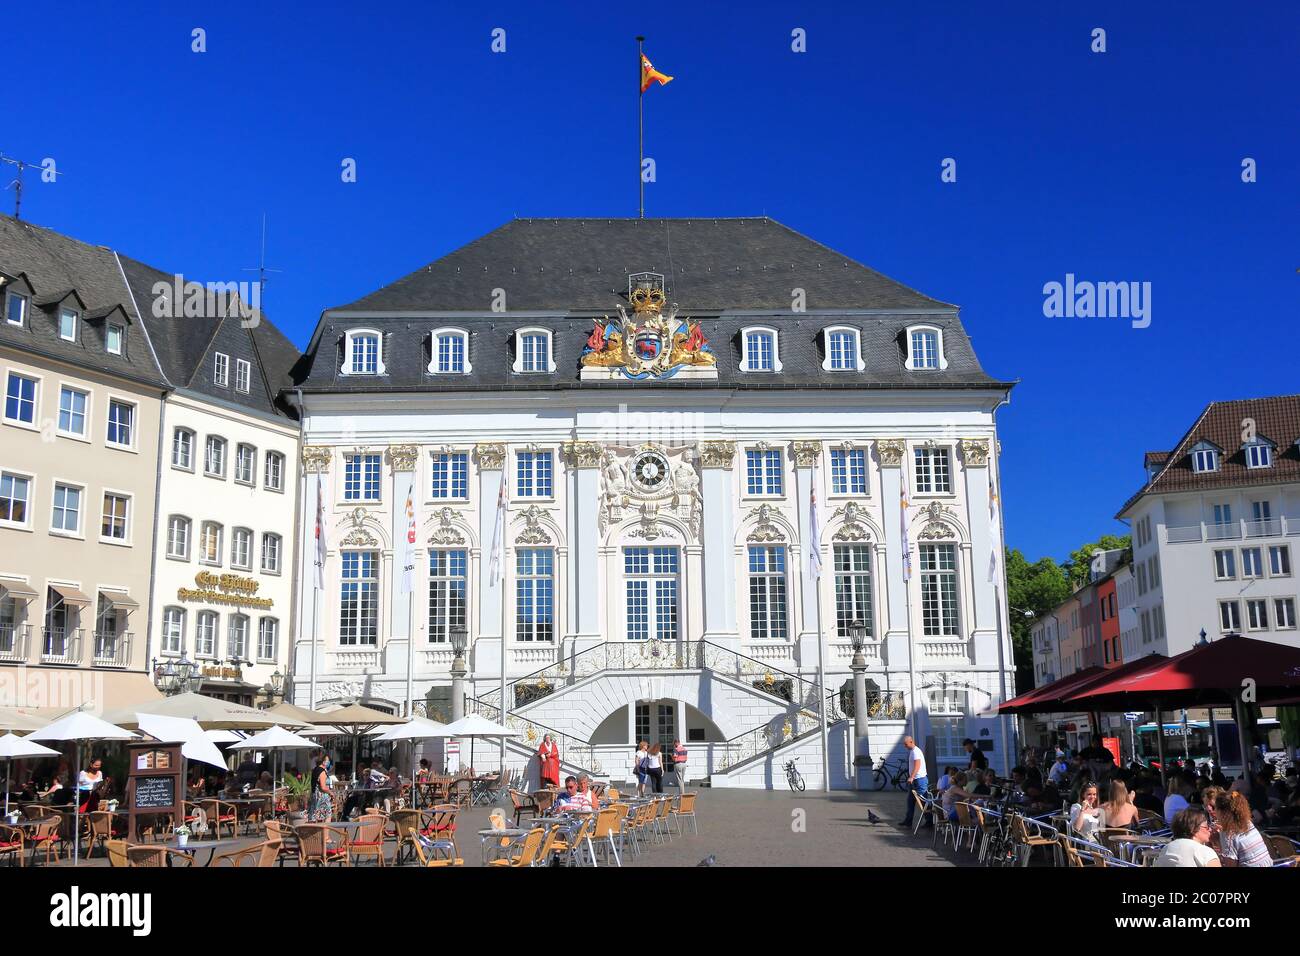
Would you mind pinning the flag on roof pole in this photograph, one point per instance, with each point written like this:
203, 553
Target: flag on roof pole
902, 521
814, 532
320, 535
649, 74
499, 535
408, 543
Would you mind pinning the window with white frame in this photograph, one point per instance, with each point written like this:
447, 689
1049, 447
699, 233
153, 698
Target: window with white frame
1252, 563
1223, 514
843, 350
113, 338
241, 549
183, 449
533, 351
237, 637
73, 403
763, 472
848, 471
273, 476
173, 631
20, 399
359, 599
361, 474
853, 589
271, 552
116, 525
447, 590
450, 352
1257, 615
178, 537
1259, 454
210, 533
1205, 459
16, 310
650, 583
939, 616
767, 593
214, 457
363, 353
1225, 564
1229, 616
268, 638
68, 324
534, 474
205, 634
534, 594
221, 370
761, 350
1284, 613
243, 375
933, 470
121, 423
947, 718
449, 476
1279, 561
245, 464
66, 514
15, 498
925, 349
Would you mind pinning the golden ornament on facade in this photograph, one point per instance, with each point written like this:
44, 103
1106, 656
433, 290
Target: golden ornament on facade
975, 451
717, 454
491, 455
806, 453
582, 454
891, 451
316, 459
403, 457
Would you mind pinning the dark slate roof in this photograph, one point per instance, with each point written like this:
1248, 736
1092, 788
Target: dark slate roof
578, 268
1276, 418
579, 265
54, 266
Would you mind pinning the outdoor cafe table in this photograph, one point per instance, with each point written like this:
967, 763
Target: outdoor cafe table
490, 837
192, 846
1136, 843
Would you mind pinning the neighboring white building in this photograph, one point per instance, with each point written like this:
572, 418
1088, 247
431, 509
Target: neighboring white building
1216, 527
652, 577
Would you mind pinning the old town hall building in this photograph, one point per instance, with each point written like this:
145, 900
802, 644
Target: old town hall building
590, 449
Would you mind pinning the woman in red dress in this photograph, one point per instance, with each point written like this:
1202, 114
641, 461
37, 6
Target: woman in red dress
548, 755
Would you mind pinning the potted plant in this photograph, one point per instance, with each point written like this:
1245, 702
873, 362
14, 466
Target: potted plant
182, 835
295, 799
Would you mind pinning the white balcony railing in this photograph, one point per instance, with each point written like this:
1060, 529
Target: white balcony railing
112, 649
61, 645
1263, 529
14, 641
1232, 530
1223, 532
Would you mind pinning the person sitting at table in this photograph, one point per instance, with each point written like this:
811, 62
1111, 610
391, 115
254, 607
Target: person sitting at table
1087, 817
956, 793
1060, 772
945, 779
376, 775
1190, 845
1120, 809
1240, 844
985, 786
59, 793
568, 798
424, 772
264, 780
195, 786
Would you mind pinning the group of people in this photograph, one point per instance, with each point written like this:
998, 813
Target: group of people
56, 787
649, 766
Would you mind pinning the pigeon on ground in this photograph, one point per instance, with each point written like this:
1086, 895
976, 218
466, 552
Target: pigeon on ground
871, 816
709, 860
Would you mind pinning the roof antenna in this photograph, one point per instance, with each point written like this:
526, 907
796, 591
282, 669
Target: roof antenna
261, 269
17, 184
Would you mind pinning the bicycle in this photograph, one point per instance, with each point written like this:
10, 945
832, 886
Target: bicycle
793, 777
887, 773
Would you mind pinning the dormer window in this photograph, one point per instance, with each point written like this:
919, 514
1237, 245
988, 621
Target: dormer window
221, 370
362, 354
533, 351
1259, 454
16, 309
113, 339
761, 350
843, 350
68, 325
925, 349
243, 375
450, 352
1205, 457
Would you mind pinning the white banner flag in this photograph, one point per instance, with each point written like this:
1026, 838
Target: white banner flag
495, 571
902, 522
320, 535
408, 543
814, 532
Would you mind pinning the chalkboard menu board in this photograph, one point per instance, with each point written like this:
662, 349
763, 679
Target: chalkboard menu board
155, 793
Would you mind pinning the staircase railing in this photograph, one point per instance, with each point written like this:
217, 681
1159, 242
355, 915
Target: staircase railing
579, 753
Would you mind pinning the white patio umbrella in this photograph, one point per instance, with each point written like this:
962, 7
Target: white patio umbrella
275, 739
222, 736
193, 740
212, 713
13, 748
78, 726
417, 728
474, 726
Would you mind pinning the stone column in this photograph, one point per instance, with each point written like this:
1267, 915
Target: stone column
892, 454
399, 649
984, 628
583, 459
316, 485
806, 456
486, 650
719, 532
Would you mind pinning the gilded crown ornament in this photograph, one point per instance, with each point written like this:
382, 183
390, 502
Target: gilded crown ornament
650, 344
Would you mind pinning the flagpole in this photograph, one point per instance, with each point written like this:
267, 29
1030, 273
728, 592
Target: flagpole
640, 126
815, 569
311, 693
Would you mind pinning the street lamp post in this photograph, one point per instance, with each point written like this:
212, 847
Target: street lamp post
861, 739
459, 641
174, 677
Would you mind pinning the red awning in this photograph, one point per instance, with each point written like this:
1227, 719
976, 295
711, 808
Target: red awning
1207, 674
1027, 702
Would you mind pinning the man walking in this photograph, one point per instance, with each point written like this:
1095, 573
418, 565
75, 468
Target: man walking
918, 781
679, 766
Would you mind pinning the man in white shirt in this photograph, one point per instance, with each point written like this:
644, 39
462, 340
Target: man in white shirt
917, 778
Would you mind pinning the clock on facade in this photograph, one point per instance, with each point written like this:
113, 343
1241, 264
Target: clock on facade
649, 470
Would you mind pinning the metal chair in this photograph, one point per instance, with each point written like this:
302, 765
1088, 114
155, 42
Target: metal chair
684, 809
528, 853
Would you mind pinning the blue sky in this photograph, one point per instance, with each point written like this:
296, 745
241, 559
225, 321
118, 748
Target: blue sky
1122, 166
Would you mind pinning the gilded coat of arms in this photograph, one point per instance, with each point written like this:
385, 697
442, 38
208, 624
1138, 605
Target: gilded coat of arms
652, 342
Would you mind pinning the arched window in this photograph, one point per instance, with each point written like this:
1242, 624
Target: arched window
761, 350
178, 537
210, 543
241, 549
271, 553
843, 346
205, 634
450, 352
925, 349
363, 352
173, 631
268, 638
237, 641
533, 351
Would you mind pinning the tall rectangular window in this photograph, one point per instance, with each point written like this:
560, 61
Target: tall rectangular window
20, 399
17, 312
451, 353
214, 457
246, 464
534, 594
273, 476
178, 537
210, 543
237, 639
446, 593
268, 638
853, 589
68, 325
449, 477
1223, 514
763, 472
113, 339
241, 549
270, 553
650, 583
361, 477
205, 634
848, 471
1229, 616
1225, 564
767, 597
67, 509
72, 411
533, 474
939, 590
760, 352
1257, 615
173, 631
116, 523
243, 375
933, 471
1284, 613
843, 350
925, 349
359, 599
1279, 561
221, 370
535, 355
365, 354
1252, 563
121, 423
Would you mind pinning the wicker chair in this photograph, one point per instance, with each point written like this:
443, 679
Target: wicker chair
406, 823
101, 829
48, 835
286, 837
116, 850
523, 804
220, 815
434, 853
12, 843
1280, 848
440, 823
527, 855
144, 855
259, 855
322, 845
368, 840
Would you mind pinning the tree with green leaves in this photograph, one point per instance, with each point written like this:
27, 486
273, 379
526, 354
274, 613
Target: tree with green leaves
1081, 558
1032, 591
